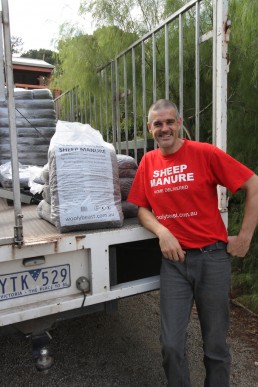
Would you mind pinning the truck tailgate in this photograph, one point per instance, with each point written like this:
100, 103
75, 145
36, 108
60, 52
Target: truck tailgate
40, 277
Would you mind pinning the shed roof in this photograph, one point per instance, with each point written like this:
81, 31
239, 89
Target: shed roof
31, 62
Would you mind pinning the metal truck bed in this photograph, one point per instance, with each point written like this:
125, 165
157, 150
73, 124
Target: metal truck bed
36, 229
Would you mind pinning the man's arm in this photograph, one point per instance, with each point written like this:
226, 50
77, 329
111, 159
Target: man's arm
239, 245
169, 245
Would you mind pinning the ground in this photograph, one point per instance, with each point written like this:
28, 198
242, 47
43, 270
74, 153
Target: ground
244, 326
123, 350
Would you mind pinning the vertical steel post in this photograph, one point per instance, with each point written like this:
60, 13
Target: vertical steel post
134, 105
106, 105
166, 63
214, 72
100, 104
85, 105
2, 79
197, 72
144, 114
154, 67
220, 84
118, 126
181, 71
90, 103
113, 103
95, 111
18, 230
126, 104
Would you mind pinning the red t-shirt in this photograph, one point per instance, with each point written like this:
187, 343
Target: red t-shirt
181, 190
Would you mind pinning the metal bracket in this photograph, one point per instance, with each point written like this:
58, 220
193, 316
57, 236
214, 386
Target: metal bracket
18, 231
8, 194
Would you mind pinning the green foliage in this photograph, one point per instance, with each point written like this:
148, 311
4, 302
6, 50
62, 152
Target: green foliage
243, 133
82, 55
250, 301
48, 56
243, 82
244, 270
81, 59
135, 16
111, 41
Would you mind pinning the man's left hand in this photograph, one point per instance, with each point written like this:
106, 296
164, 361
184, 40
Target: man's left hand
237, 247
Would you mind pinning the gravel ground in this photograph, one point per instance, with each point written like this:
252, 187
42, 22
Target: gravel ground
123, 350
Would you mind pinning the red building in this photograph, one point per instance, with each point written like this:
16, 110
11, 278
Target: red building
31, 73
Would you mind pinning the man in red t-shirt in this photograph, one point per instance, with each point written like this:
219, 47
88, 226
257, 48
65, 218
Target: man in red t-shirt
175, 188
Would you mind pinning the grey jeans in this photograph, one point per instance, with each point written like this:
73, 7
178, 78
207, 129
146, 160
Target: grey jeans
204, 277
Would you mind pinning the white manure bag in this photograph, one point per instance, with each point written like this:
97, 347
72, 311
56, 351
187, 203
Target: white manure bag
83, 179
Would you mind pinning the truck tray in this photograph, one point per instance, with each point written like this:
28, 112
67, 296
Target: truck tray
35, 229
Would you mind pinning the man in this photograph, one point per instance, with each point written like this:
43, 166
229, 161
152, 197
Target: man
175, 189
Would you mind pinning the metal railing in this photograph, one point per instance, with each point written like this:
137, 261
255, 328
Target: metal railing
153, 67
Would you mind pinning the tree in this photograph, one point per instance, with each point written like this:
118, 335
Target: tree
81, 55
77, 50
243, 82
135, 16
243, 134
48, 56
16, 44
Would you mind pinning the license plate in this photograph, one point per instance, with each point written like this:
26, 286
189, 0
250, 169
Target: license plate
34, 281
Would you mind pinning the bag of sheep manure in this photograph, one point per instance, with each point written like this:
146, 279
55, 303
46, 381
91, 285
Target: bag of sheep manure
83, 179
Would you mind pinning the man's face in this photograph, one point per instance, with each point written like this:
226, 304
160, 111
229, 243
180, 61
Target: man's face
164, 127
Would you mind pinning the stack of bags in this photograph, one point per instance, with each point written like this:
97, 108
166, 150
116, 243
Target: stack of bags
44, 207
6, 175
127, 168
35, 124
83, 190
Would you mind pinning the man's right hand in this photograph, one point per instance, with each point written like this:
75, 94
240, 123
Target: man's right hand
170, 246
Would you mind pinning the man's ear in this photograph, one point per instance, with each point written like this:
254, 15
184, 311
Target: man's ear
149, 126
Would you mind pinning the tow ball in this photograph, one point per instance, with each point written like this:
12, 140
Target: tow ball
45, 360
42, 357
